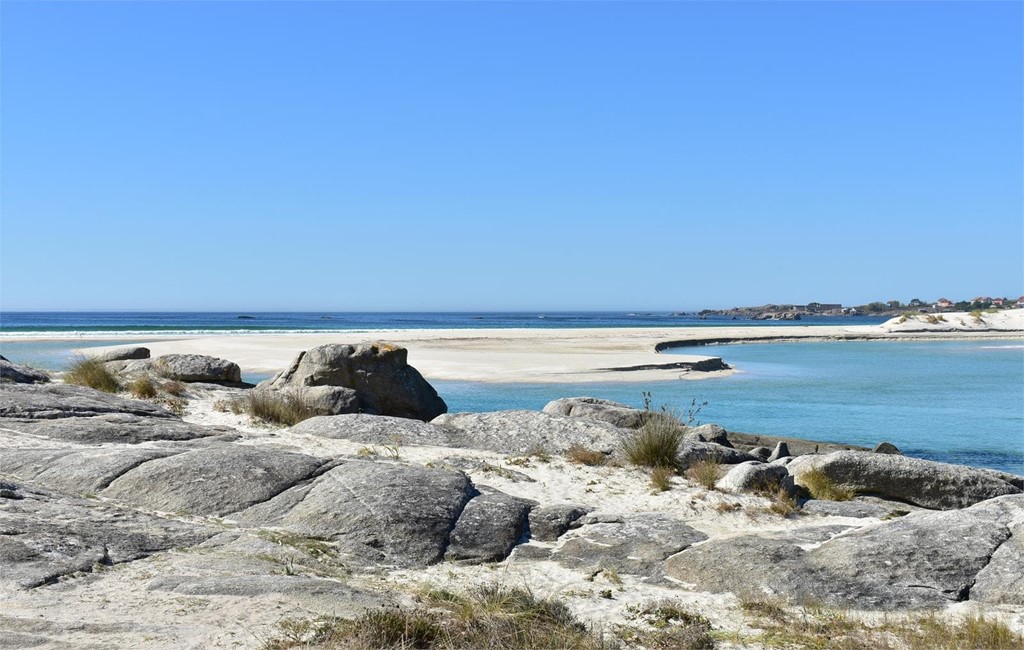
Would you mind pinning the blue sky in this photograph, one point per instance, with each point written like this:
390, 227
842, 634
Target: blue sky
447, 156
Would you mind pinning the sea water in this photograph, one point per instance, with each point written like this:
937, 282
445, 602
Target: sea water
951, 401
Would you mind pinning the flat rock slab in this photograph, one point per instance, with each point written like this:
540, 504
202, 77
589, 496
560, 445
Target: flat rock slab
379, 512
925, 559
52, 401
637, 544
44, 537
924, 483
75, 471
548, 523
114, 428
379, 429
518, 432
213, 481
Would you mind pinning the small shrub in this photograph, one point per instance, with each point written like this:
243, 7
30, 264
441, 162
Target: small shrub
783, 503
175, 388
705, 472
661, 478
728, 506
761, 606
92, 373
976, 315
142, 388
285, 408
822, 487
582, 456
673, 628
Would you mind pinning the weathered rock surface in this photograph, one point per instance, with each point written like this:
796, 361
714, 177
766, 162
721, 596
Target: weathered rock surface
752, 476
380, 429
516, 432
114, 428
378, 372
75, 471
620, 415
781, 451
886, 448
65, 400
197, 368
925, 483
489, 527
214, 481
693, 452
123, 354
548, 523
707, 433
797, 446
18, 374
45, 537
924, 559
637, 544
859, 509
380, 512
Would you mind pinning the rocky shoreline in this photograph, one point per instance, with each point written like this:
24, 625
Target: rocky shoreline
179, 520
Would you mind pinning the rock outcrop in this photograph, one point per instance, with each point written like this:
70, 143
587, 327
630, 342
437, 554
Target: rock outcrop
197, 368
379, 374
123, 354
19, 374
924, 483
620, 415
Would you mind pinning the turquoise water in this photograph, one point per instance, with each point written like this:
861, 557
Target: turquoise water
953, 401
956, 402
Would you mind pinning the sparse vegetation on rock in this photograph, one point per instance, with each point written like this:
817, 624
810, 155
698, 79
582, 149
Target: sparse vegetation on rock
92, 373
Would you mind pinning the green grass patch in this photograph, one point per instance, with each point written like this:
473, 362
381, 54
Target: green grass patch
705, 472
656, 442
142, 388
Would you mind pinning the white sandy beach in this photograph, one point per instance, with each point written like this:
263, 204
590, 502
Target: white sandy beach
570, 355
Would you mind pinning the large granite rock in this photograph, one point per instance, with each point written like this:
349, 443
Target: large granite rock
924, 559
924, 483
620, 415
213, 481
636, 544
694, 452
380, 513
754, 476
18, 374
379, 373
489, 527
548, 523
123, 354
517, 432
197, 368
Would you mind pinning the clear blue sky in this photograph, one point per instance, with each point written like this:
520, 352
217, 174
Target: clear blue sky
421, 156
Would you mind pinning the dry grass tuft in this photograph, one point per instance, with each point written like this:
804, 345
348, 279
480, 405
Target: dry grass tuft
173, 387
656, 442
583, 456
142, 388
667, 626
661, 478
284, 408
92, 373
822, 487
705, 472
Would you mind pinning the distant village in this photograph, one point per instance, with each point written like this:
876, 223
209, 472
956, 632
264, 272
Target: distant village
890, 308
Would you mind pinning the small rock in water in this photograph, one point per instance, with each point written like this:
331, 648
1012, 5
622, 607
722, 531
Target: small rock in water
887, 448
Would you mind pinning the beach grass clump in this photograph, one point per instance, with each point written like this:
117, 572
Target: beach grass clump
285, 408
489, 616
656, 442
821, 486
85, 371
582, 456
142, 388
705, 472
173, 387
661, 478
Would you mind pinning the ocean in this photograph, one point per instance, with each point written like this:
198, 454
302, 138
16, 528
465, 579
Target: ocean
952, 401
